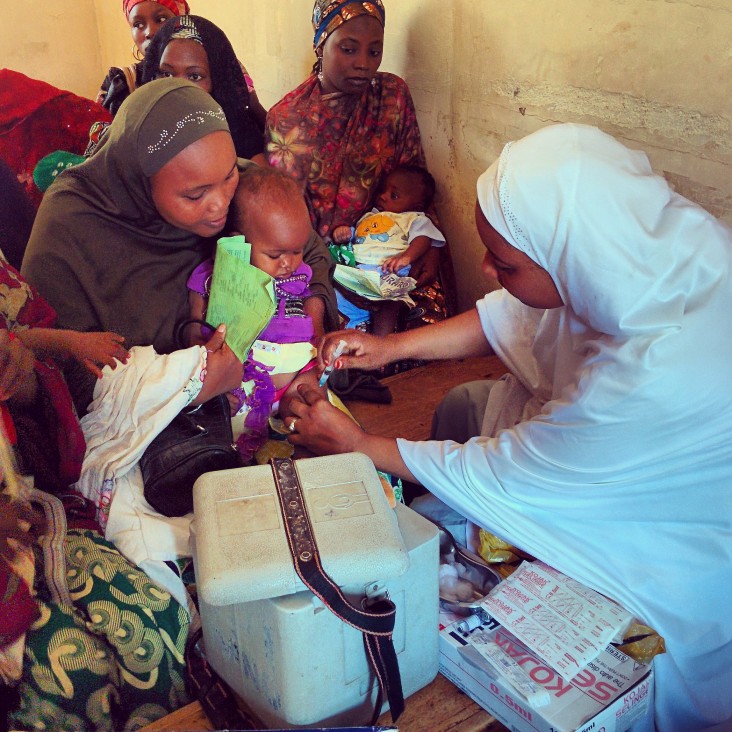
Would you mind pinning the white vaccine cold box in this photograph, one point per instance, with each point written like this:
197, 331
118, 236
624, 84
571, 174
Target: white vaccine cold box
287, 656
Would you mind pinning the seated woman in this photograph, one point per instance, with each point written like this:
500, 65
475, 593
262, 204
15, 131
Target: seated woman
607, 452
71, 663
193, 48
145, 18
346, 127
112, 248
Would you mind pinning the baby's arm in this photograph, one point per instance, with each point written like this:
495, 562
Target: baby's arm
93, 350
418, 247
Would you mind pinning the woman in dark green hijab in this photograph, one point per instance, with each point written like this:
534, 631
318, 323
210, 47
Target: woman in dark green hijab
116, 237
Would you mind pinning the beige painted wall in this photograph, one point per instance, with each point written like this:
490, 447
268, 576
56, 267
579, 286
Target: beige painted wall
654, 73
48, 40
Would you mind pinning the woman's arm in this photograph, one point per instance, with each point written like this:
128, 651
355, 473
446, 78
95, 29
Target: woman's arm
326, 430
457, 337
426, 269
223, 369
317, 257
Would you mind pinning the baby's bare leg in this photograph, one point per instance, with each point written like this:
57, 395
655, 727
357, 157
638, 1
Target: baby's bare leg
310, 378
384, 320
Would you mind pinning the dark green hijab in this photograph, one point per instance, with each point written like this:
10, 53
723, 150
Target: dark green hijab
99, 251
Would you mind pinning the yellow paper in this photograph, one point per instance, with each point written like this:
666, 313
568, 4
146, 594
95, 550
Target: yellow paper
242, 296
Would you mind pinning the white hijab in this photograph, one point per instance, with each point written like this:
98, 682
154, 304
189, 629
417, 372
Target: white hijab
621, 473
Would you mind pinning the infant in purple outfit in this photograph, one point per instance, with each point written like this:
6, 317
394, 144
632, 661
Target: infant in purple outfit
269, 210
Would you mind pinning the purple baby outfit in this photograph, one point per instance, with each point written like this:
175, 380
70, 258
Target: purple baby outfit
289, 324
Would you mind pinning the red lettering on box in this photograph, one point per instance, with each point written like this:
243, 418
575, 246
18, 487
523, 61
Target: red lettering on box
518, 708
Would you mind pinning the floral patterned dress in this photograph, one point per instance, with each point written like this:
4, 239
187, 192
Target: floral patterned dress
340, 146
50, 439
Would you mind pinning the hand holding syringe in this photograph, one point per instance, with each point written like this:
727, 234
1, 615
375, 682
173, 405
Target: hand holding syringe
328, 370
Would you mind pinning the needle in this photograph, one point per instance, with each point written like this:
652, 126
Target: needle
328, 370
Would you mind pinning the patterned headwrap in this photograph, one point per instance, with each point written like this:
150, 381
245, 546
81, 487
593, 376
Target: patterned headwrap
331, 14
179, 7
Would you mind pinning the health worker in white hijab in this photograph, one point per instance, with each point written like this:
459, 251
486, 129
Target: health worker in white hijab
607, 452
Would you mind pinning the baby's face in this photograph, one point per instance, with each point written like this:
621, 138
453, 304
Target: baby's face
401, 192
278, 235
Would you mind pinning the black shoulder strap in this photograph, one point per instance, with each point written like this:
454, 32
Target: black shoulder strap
375, 620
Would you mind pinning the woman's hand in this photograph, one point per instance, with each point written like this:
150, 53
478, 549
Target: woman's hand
97, 350
325, 430
362, 351
426, 269
319, 426
17, 374
223, 369
309, 379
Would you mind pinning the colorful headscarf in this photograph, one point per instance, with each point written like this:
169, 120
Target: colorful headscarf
179, 7
331, 14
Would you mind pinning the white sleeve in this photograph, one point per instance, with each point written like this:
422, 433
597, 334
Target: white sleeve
423, 226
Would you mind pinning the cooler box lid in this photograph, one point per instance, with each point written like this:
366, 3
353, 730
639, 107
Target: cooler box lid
241, 550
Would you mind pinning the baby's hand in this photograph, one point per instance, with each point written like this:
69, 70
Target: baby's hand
96, 350
341, 234
395, 263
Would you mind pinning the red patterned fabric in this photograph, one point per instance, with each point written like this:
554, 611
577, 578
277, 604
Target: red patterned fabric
8, 425
36, 119
22, 307
179, 7
340, 146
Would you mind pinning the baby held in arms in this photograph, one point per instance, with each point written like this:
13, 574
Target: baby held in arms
268, 209
389, 239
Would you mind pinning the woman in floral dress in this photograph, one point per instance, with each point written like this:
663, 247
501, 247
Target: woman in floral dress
346, 127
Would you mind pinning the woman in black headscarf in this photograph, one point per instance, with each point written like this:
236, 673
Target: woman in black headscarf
193, 48
114, 243
108, 247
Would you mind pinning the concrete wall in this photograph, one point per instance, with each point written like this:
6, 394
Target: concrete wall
55, 42
654, 73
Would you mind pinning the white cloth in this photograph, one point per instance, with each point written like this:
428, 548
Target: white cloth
619, 470
131, 405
